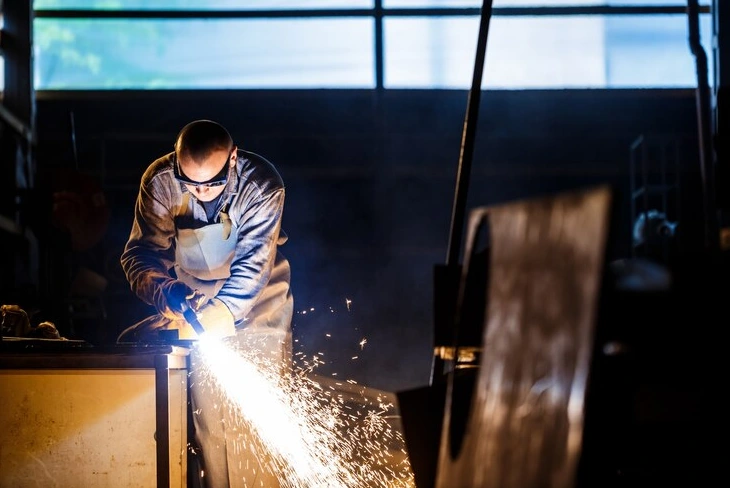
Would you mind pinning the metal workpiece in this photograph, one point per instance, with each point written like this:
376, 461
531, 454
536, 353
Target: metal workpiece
516, 418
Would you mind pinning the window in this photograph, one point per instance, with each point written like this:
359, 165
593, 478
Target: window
230, 44
542, 52
205, 54
525, 3
181, 5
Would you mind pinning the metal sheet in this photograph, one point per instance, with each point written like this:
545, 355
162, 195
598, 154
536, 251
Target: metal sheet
515, 418
82, 419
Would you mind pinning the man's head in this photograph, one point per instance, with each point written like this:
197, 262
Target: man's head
204, 154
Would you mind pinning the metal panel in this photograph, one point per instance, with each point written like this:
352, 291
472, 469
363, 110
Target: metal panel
94, 424
514, 414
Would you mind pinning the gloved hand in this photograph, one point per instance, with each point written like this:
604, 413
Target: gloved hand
196, 300
216, 319
175, 298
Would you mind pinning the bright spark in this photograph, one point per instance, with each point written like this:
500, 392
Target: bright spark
348, 302
309, 436
362, 344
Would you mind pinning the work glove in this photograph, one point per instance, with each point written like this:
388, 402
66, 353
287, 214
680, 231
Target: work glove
178, 297
216, 319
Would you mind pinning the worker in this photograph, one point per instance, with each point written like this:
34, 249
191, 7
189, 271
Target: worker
205, 237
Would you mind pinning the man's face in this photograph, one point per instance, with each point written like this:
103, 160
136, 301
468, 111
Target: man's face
210, 176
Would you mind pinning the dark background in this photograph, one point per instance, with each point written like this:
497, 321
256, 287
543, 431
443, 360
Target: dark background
370, 179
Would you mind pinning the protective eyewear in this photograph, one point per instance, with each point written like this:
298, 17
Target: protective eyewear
220, 179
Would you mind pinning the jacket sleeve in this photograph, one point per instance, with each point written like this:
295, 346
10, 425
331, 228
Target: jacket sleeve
149, 252
256, 249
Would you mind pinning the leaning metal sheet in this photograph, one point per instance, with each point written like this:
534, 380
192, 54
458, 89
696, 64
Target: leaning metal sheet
522, 422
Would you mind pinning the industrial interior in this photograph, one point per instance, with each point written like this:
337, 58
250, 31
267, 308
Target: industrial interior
533, 274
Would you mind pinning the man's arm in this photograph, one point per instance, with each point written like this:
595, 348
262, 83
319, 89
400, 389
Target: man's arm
258, 235
149, 252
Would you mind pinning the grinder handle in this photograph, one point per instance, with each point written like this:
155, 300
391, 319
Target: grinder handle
192, 319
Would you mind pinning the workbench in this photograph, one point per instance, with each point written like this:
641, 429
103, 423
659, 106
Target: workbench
74, 415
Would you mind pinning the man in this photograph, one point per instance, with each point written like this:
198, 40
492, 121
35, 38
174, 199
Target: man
205, 237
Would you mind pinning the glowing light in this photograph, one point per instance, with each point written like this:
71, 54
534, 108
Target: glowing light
362, 343
310, 434
348, 302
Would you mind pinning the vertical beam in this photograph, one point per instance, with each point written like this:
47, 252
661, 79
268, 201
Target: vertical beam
16, 44
704, 128
162, 417
379, 46
721, 112
721, 60
18, 104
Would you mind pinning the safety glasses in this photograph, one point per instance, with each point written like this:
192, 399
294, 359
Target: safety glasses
217, 180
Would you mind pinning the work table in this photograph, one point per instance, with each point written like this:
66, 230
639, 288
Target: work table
79, 415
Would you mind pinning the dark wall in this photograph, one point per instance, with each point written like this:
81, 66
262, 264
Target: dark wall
370, 182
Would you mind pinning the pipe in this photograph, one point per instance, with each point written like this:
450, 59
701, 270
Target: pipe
704, 126
467, 140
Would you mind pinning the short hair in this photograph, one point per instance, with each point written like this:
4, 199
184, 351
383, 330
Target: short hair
201, 137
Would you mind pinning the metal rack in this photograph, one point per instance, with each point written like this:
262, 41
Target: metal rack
655, 196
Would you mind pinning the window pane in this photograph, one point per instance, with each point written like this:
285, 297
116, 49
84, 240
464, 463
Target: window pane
197, 4
207, 54
542, 52
653, 51
524, 3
